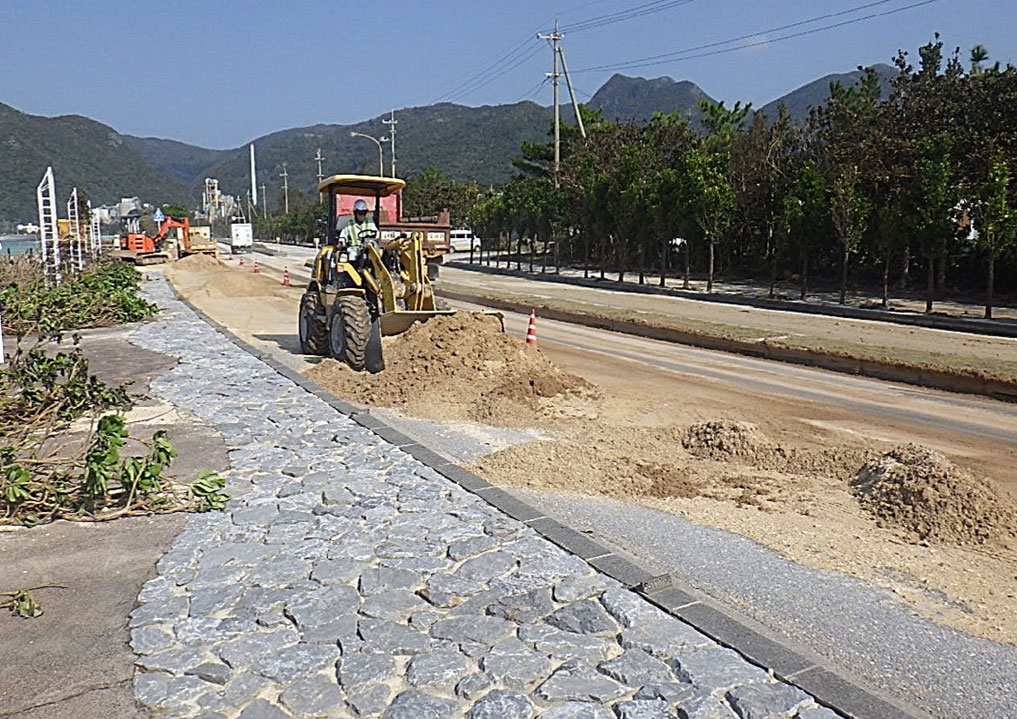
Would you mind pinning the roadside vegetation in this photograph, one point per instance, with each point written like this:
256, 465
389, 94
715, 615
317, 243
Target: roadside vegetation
65, 449
105, 293
909, 189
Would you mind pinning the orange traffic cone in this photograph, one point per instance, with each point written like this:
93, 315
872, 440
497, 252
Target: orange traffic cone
256, 270
531, 330
286, 275
241, 261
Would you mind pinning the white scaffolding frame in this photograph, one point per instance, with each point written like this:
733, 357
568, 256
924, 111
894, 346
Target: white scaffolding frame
46, 196
95, 233
74, 232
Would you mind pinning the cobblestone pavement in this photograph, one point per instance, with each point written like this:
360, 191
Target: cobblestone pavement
348, 579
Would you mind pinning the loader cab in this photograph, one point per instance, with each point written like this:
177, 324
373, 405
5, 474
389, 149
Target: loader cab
368, 187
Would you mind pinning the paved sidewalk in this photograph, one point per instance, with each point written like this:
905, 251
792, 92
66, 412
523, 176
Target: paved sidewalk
349, 579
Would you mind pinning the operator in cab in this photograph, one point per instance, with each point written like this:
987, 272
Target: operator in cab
360, 229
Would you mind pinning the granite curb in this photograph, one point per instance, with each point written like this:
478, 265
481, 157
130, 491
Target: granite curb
830, 688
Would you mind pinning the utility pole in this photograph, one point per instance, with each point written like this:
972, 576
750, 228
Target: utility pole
554, 37
392, 122
572, 92
319, 158
286, 187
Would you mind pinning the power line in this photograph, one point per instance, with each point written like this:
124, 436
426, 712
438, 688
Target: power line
491, 77
680, 55
487, 69
649, 8
532, 92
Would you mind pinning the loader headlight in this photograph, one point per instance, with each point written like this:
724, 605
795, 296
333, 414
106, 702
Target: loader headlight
344, 257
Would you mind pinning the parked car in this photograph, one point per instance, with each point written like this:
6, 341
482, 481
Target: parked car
461, 240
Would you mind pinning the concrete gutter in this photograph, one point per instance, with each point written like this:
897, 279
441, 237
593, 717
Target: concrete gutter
830, 687
920, 376
994, 328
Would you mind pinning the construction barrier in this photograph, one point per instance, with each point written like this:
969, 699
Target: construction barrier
256, 270
286, 275
531, 329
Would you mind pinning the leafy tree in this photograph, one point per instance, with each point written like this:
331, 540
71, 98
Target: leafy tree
999, 220
849, 210
936, 196
176, 209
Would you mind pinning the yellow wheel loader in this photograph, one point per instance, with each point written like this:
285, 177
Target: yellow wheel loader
358, 294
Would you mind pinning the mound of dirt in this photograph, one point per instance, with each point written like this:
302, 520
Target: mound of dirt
460, 366
923, 496
201, 262
726, 439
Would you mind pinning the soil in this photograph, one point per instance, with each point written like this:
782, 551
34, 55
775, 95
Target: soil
924, 496
782, 472
462, 366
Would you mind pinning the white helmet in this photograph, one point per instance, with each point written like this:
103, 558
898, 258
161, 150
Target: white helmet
360, 206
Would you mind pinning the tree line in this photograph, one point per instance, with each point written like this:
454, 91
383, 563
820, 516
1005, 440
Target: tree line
871, 189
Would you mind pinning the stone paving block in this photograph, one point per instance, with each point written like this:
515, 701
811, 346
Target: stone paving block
706, 706
261, 709
759, 701
577, 681
381, 635
644, 709
472, 686
212, 672
717, 667
417, 705
437, 668
637, 668
369, 701
513, 663
502, 704
576, 710
358, 669
291, 663
315, 696
584, 617
483, 630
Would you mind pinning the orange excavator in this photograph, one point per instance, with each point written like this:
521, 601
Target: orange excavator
141, 249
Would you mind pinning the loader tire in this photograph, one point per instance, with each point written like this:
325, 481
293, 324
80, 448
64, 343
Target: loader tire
350, 331
312, 329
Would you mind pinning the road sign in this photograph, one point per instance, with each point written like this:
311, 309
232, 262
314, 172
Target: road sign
158, 216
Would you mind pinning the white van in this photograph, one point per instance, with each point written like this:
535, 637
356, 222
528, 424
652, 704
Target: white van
462, 239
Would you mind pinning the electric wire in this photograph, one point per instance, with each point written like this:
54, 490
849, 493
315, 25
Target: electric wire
490, 77
649, 8
680, 55
487, 70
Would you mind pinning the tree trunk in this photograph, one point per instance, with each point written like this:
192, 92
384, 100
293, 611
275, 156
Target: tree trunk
773, 260
709, 277
557, 254
543, 258
619, 257
990, 281
586, 255
843, 274
519, 254
805, 277
930, 283
941, 271
642, 273
886, 278
663, 263
603, 257
688, 265
533, 239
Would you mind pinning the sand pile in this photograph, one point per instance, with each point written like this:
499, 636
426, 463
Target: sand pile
726, 439
205, 276
200, 263
460, 366
924, 496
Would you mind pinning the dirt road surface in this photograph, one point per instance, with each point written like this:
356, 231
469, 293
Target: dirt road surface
765, 450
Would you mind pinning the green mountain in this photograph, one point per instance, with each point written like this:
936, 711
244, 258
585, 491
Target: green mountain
182, 162
84, 154
475, 143
815, 93
636, 99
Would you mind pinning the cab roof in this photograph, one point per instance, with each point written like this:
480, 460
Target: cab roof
364, 185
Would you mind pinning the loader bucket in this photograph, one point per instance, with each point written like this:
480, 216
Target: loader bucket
395, 323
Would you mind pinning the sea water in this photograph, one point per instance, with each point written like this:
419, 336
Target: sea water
11, 245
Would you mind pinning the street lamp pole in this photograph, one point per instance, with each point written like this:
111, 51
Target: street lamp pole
376, 141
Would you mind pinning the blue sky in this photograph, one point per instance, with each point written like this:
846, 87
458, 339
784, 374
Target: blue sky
220, 73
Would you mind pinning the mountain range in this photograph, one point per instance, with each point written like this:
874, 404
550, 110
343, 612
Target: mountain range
475, 143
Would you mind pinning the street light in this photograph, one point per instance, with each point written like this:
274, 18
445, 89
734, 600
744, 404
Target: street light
376, 141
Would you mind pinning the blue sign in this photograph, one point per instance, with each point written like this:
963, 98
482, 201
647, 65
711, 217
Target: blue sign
158, 216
